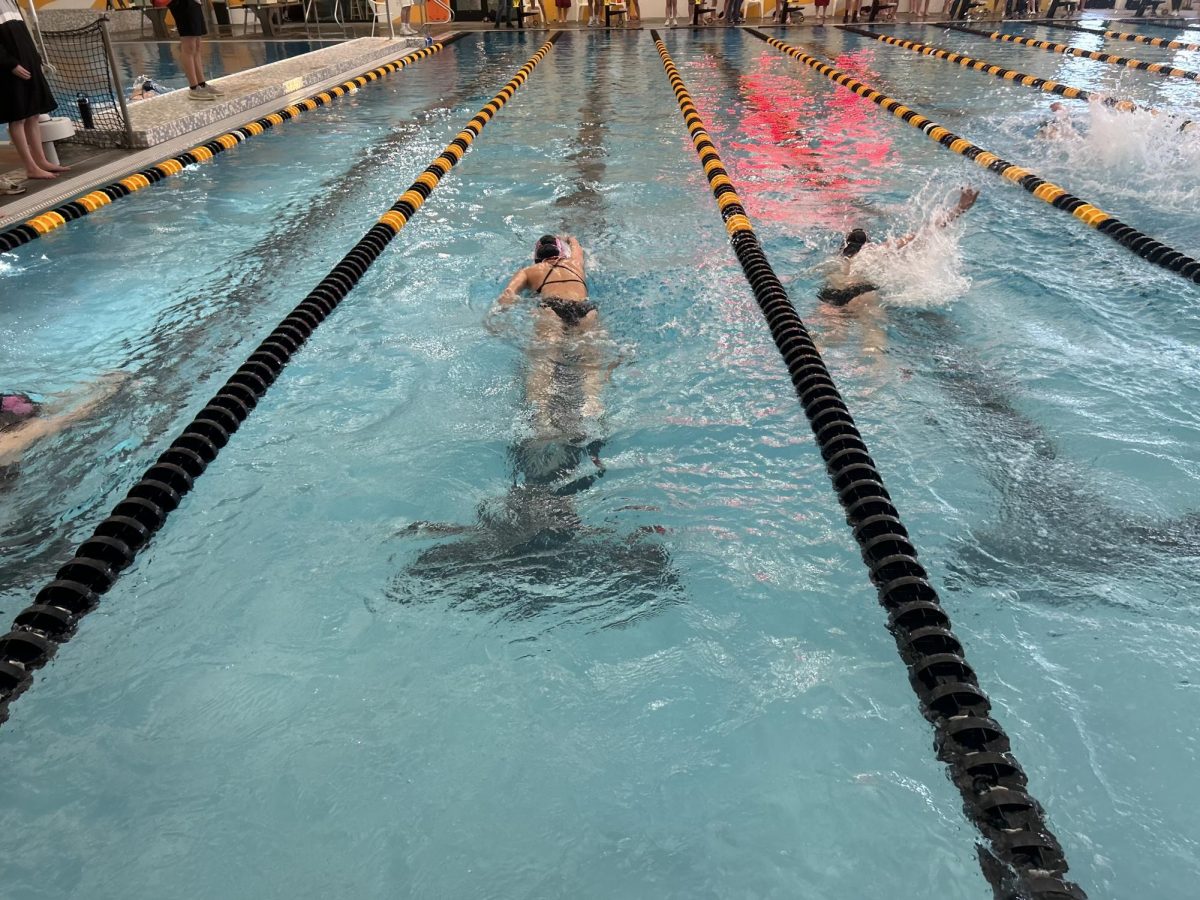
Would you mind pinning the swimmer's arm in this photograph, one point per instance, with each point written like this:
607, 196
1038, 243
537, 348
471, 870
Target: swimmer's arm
966, 199
512, 290
18, 440
576, 250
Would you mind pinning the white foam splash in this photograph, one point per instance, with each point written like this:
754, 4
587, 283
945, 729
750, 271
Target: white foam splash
927, 271
1111, 146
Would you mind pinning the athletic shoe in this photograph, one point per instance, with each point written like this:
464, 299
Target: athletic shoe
214, 90
200, 94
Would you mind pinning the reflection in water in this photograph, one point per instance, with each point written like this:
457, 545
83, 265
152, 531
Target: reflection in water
1052, 521
530, 552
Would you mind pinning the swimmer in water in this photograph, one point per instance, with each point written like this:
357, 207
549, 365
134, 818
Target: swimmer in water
1058, 127
566, 321
843, 289
24, 421
854, 297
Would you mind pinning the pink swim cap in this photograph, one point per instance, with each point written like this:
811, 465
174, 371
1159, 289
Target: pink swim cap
17, 405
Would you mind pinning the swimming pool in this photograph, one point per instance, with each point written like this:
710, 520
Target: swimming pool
289, 692
159, 60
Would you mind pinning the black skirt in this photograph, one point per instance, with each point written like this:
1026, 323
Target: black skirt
21, 98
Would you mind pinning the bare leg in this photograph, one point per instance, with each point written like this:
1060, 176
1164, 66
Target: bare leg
33, 134
188, 61
20, 132
197, 61
543, 355
595, 371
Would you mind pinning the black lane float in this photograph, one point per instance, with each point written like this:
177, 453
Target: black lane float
1011, 76
1055, 47
1144, 246
75, 591
1120, 35
971, 743
89, 203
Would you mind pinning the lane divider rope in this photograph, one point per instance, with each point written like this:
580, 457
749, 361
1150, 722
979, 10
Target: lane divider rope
51, 620
1011, 76
88, 203
1120, 35
1144, 246
971, 743
1054, 47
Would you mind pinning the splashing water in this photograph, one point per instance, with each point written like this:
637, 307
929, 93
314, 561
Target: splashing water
926, 271
1110, 146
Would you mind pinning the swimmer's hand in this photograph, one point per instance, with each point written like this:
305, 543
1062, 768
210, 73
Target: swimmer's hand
493, 321
967, 197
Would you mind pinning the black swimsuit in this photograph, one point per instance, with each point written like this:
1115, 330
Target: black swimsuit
570, 311
841, 296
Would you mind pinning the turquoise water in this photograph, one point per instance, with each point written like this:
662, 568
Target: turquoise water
689, 690
160, 62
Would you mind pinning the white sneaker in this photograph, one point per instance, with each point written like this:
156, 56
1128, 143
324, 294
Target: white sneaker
407, 30
201, 94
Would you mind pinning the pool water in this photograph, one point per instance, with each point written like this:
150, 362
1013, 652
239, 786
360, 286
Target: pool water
160, 61
672, 679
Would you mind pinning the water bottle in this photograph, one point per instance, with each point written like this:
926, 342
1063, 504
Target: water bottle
429, 40
85, 112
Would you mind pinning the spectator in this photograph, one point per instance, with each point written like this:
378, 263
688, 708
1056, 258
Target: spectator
672, 13
24, 94
562, 10
189, 21
823, 9
508, 8
406, 18
851, 13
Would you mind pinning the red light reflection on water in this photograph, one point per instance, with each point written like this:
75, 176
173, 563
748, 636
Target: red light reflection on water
796, 154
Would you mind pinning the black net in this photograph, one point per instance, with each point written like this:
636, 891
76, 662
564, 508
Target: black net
83, 83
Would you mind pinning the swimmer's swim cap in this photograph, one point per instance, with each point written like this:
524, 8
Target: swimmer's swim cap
548, 247
15, 408
854, 242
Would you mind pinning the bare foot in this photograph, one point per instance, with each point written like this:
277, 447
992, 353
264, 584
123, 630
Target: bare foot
40, 174
54, 167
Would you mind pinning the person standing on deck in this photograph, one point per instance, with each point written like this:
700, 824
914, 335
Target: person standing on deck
189, 22
24, 93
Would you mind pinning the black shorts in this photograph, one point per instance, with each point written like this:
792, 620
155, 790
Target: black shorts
189, 18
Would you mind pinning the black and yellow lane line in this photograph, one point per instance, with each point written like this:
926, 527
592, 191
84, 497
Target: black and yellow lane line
1163, 69
1144, 246
46, 222
75, 591
971, 743
1011, 76
1166, 43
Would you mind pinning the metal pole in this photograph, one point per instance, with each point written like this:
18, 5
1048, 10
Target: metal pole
37, 29
115, 74
391, 26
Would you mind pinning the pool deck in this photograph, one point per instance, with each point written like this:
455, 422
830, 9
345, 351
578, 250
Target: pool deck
167, 125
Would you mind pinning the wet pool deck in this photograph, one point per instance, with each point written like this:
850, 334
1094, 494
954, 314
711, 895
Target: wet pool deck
167, 125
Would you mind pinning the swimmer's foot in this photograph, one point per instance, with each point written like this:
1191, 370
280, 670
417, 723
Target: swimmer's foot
40, 174
58, 168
